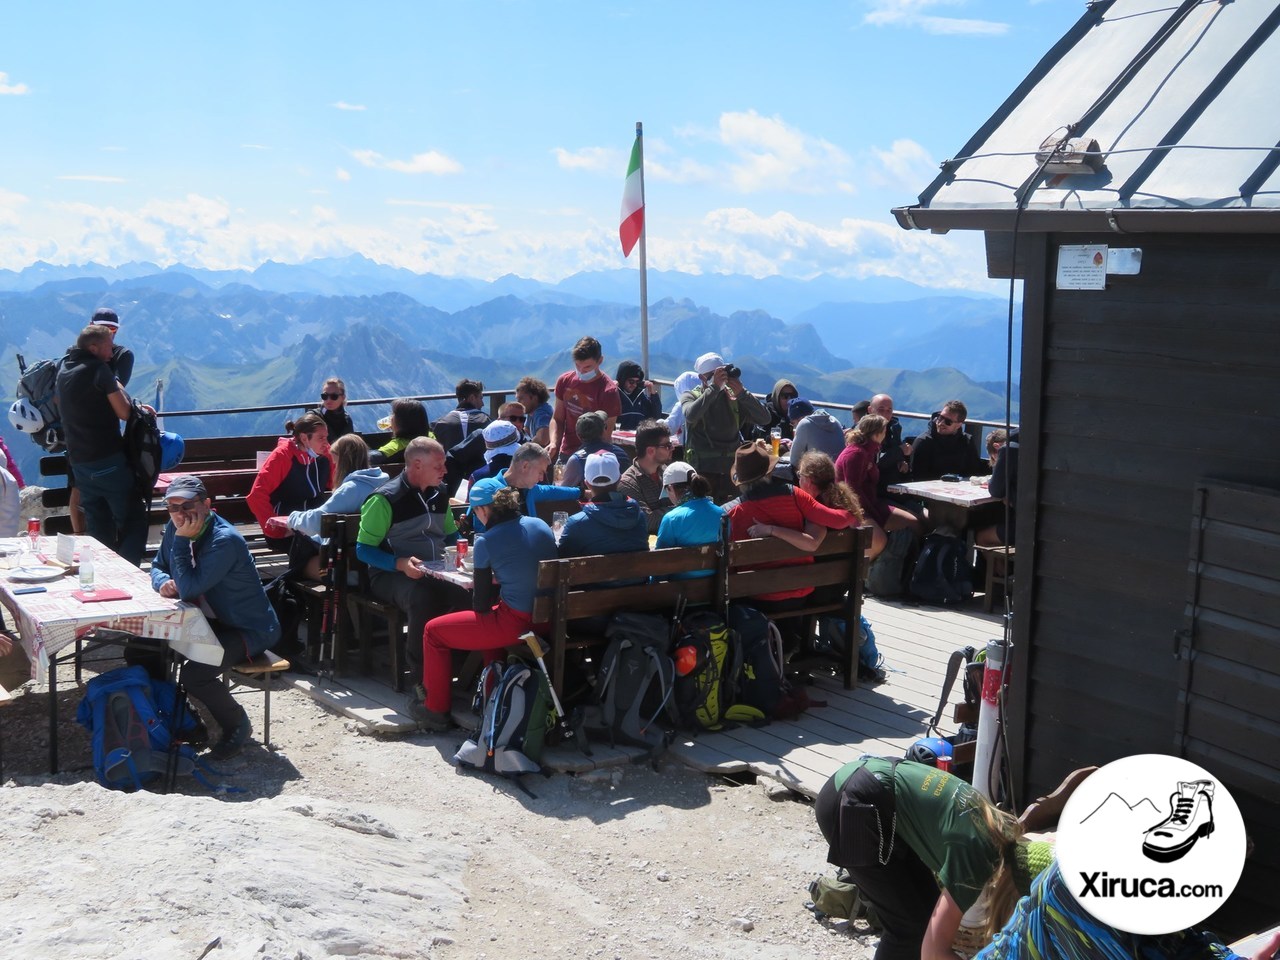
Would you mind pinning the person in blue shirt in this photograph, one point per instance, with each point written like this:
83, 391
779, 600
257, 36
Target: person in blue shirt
528, 466
612, 522
695, 520
506, 556
203, 559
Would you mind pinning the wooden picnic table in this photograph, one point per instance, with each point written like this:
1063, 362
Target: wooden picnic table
951, 503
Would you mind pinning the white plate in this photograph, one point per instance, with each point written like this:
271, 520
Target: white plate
36, 574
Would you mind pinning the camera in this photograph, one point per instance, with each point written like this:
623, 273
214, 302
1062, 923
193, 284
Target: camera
732, 371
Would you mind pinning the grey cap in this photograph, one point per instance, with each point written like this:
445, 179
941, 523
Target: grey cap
186, 487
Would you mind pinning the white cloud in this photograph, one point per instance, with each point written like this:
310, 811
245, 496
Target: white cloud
8, 89
913, 14
906, 164
91, 178
343, 175
772, 155
593, 159
323, 216
254, 146
432, 161
343, 105
684, 170
9, 204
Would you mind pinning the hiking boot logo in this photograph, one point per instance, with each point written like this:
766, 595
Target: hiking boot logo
1190, 818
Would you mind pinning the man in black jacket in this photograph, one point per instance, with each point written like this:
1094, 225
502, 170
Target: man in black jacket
946, 449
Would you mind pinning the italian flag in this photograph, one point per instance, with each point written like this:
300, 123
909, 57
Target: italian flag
632, 224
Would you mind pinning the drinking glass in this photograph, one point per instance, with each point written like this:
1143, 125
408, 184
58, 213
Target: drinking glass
558, 520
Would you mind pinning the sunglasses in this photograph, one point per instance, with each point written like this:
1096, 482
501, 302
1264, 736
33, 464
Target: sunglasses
519, 419
330, 396
946, 421
181, 508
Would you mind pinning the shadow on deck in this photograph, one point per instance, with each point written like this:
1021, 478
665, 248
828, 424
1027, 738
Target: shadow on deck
885, 719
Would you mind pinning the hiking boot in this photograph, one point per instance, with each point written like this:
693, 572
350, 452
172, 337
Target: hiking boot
1190, 818
232, 741
198, 736
418, 693
428, 720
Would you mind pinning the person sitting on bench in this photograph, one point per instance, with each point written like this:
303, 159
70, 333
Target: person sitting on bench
204, 560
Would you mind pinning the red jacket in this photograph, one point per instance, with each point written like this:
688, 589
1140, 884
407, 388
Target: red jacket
781, 505
289, 480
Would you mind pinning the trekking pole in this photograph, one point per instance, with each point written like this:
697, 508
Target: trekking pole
539, 650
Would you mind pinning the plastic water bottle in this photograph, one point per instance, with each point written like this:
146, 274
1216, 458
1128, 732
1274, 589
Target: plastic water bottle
86, 570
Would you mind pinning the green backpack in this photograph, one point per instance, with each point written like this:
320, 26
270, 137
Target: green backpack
840, 899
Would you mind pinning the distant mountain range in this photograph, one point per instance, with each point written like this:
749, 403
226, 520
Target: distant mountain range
221, 339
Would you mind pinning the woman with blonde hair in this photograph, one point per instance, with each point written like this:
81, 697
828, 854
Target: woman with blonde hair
922, 846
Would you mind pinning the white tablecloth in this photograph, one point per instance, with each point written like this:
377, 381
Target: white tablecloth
52, 620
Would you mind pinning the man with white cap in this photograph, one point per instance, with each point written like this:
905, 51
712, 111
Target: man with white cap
612, 522
501, 441
203, 559
717, 413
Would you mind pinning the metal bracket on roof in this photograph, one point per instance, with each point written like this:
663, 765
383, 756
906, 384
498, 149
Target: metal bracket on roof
1112, 222
911, 221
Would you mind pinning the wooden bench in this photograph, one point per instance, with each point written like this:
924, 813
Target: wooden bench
259, 674
585, 587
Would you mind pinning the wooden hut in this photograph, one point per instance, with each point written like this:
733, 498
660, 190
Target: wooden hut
1131, 182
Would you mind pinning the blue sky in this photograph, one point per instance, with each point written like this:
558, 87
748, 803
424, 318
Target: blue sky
482, 139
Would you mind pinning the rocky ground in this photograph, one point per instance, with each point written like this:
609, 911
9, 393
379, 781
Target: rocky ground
345, 844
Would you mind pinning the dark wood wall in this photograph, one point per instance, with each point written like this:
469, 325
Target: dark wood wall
1131, 395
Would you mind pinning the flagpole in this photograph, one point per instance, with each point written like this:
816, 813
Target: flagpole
644, 280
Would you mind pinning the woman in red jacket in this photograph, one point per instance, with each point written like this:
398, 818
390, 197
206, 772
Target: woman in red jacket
295, 475
856, 466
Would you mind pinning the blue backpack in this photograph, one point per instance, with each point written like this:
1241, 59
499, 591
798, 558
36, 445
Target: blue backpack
130, 717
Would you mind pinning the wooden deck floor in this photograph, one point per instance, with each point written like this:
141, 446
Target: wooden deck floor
884, 719
802, 753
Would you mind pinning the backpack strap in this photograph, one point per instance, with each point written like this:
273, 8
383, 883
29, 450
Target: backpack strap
957, 657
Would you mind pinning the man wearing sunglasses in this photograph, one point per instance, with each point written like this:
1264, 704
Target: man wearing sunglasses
946, 449
203, 560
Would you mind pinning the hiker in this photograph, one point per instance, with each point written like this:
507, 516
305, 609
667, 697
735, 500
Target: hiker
814, 430
93, 405
405, 523
295, 476
638, 398
716, 414
1049, 922
333, 409
528, 466
502, 439
778, 403
591, 429
10, 503
408, 420
612, 522
467, 417
945, 447
1004, 484
675, 419
903, 830
642, 481
203, 560
694, 519
585, 387
354, 481
10, 464
506, 558
857, 467
770, 507
894, 456
534, 396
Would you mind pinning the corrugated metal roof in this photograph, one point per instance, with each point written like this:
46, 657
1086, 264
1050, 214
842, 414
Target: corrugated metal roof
1180, 98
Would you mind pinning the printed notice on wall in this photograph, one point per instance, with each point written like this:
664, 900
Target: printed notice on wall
1082, 267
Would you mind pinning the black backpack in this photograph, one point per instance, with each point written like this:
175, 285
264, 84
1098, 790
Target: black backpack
943, 574
711, 655
889, 571
143, 449
635, 685
763, 683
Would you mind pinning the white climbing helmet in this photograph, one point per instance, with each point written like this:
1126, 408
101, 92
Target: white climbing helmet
25, 416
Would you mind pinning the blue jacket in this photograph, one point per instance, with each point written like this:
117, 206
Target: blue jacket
616, 526
348, 498
217, 565
696, 521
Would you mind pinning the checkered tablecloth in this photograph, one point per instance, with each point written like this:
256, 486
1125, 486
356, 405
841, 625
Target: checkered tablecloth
52, 620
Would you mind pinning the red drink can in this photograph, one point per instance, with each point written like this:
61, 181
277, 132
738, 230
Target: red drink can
944, 763
33, 528
462, 552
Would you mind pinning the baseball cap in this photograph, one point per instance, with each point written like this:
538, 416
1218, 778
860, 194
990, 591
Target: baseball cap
799, 407
707, 363
106, 317
186, 487
601, 469
678, 472
482, 491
